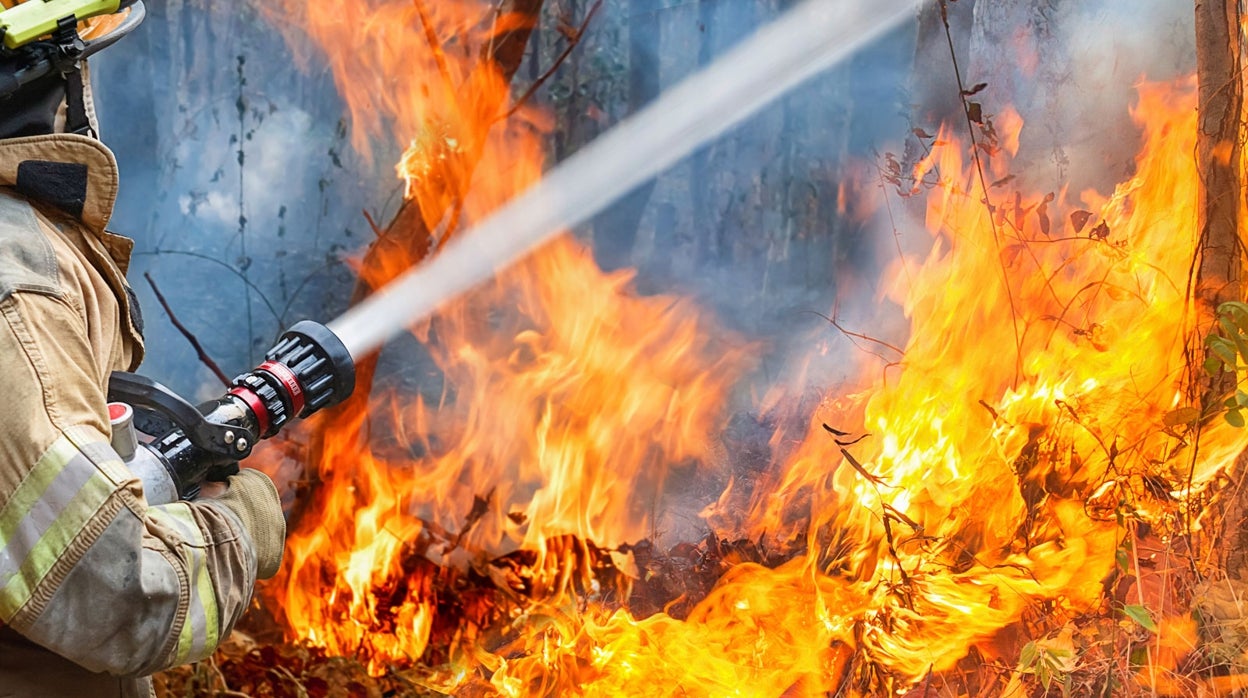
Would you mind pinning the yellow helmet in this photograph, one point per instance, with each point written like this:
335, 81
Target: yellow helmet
26, 21
44, 45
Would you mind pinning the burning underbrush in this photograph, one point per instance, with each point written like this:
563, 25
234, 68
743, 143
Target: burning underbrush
1010, 505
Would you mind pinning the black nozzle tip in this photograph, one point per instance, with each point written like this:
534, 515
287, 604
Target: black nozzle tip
341, 366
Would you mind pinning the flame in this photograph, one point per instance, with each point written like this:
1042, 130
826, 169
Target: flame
562, 398
979, 478
1042, 384
539, 441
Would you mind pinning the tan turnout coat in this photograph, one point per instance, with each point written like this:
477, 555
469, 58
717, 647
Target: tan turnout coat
97, 588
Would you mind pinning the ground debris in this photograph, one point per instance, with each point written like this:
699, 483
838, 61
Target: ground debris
473, 607
242, 668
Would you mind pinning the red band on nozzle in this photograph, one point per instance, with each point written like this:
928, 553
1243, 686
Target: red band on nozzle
287, 377
256, 405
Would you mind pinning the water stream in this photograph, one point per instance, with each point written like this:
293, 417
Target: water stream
803, 42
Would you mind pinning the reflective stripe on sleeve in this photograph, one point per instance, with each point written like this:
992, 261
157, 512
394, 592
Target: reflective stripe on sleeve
46, 512
201, 630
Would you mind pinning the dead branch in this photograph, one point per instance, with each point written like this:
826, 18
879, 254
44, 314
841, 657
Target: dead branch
970, 110
864, 337
204, 358
372, 224
573, 42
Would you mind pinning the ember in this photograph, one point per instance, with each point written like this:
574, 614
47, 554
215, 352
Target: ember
492, 531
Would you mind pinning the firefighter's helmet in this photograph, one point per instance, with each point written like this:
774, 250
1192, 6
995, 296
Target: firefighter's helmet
44, 45
36, 19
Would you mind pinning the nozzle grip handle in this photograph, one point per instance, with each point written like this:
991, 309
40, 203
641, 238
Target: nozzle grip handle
149, 398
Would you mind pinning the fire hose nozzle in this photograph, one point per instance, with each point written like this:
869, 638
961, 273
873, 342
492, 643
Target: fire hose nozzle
307, 370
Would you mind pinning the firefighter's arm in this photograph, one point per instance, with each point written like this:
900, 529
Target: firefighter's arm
87, 568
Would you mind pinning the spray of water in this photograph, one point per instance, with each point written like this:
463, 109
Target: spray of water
805, 41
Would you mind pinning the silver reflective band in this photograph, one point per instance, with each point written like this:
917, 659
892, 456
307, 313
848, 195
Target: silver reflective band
158, 487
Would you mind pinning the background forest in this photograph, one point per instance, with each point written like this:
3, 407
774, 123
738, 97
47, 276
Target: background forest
244, 195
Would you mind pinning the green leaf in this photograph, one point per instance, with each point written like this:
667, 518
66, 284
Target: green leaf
1241, 343
1183, 415
1045, 674
1224, 348
1232, 330
1213, 365
1237, 311
1141, 616
1124, 560
1027, 657
1235, 418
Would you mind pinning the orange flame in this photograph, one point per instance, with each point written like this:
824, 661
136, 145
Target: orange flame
1045, 358
1046, 351
563, 398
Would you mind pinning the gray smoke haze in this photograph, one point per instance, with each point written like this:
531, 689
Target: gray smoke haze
201, 81
238, 184
1070, 70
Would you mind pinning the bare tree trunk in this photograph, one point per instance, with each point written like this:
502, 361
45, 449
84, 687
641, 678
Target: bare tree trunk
1219, 60
705, 220
615, 229
1219, 55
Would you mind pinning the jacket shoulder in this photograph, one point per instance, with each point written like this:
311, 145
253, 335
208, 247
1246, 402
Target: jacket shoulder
27, 258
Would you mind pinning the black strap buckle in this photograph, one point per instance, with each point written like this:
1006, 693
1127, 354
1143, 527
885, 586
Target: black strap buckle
68, 41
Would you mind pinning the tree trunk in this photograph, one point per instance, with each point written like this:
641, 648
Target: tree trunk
1219, 59
705, 220
1219, 54
615, 229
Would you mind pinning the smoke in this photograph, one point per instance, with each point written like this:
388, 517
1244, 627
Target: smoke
764, 226
237, 184
1070, 71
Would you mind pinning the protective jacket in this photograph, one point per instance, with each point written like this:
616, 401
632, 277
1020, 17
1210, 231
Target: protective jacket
97, 588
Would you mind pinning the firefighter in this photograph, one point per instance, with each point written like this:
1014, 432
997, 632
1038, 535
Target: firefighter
98, 589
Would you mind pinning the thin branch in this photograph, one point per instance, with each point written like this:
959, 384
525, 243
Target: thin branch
377, 231
859, 335
983, 183
204, 358
435, 45
567, 51
228, 267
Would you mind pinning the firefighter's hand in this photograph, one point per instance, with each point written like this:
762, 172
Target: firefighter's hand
251, 495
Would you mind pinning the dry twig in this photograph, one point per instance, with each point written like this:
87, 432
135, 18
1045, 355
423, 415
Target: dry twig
204, 358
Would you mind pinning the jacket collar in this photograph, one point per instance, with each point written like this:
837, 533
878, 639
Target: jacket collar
71, 173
